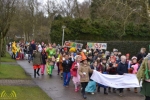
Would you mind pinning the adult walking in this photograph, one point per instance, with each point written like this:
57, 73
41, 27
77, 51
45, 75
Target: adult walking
32, 47
36, 62
141, 55
144, 75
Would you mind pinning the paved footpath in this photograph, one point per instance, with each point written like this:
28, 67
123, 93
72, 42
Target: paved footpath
54, 87
12, 82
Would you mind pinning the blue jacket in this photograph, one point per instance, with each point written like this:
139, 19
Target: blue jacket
33, 46
122, 68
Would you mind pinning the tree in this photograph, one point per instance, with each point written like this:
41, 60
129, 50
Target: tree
85, 10
7, 10
121, 11
52, 10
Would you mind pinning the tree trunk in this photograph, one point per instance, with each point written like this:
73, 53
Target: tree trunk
0, 49
24, 37
3, 50
49, 35
28, 37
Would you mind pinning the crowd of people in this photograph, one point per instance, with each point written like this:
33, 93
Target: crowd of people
78, 65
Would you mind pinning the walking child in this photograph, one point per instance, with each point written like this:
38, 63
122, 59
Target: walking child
50, 66
75, 73
84, 71
67, 63
43, 59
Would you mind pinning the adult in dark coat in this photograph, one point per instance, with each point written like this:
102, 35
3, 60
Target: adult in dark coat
141, 55
32, 47
122, 69
36, 62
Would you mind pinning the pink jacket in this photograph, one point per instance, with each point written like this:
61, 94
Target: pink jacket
135, 68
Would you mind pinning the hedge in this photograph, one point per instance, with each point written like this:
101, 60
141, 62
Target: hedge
131, 47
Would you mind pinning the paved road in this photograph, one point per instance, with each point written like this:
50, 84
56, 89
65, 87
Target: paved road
54, 88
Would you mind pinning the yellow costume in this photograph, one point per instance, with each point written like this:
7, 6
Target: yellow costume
14, 50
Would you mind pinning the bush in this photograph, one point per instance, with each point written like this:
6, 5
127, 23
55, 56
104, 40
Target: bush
129, 46
132, 47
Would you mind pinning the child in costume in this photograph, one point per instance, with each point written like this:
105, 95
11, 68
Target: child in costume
51, 51
91, 87
50, 65
51, 62
14, 50
75, 73
62, 58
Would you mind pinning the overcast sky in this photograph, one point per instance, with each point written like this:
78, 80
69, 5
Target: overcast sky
44, 1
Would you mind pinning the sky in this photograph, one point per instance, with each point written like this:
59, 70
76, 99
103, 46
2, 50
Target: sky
44, 1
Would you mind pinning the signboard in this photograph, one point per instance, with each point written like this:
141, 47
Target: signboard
73, 44
97, 45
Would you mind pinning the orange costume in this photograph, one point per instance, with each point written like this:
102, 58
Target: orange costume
60, 64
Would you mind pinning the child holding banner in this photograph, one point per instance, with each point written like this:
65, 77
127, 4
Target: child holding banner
134, 67
91, 87
122, 69
112, 69
103, 68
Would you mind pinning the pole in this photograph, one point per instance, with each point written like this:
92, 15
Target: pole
63, 27
63, 37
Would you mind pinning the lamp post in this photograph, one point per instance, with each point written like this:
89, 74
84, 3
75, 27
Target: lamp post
63, 27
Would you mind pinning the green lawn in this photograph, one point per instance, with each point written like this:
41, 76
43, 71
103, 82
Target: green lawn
7, 58
8, 71
23, 93
12, 71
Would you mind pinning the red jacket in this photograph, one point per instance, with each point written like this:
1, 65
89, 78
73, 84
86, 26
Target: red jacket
73, 70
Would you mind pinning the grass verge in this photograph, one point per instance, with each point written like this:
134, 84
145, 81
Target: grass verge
7, 58
8, 71
22, 93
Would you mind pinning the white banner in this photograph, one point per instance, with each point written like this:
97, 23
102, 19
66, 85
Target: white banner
116, 81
